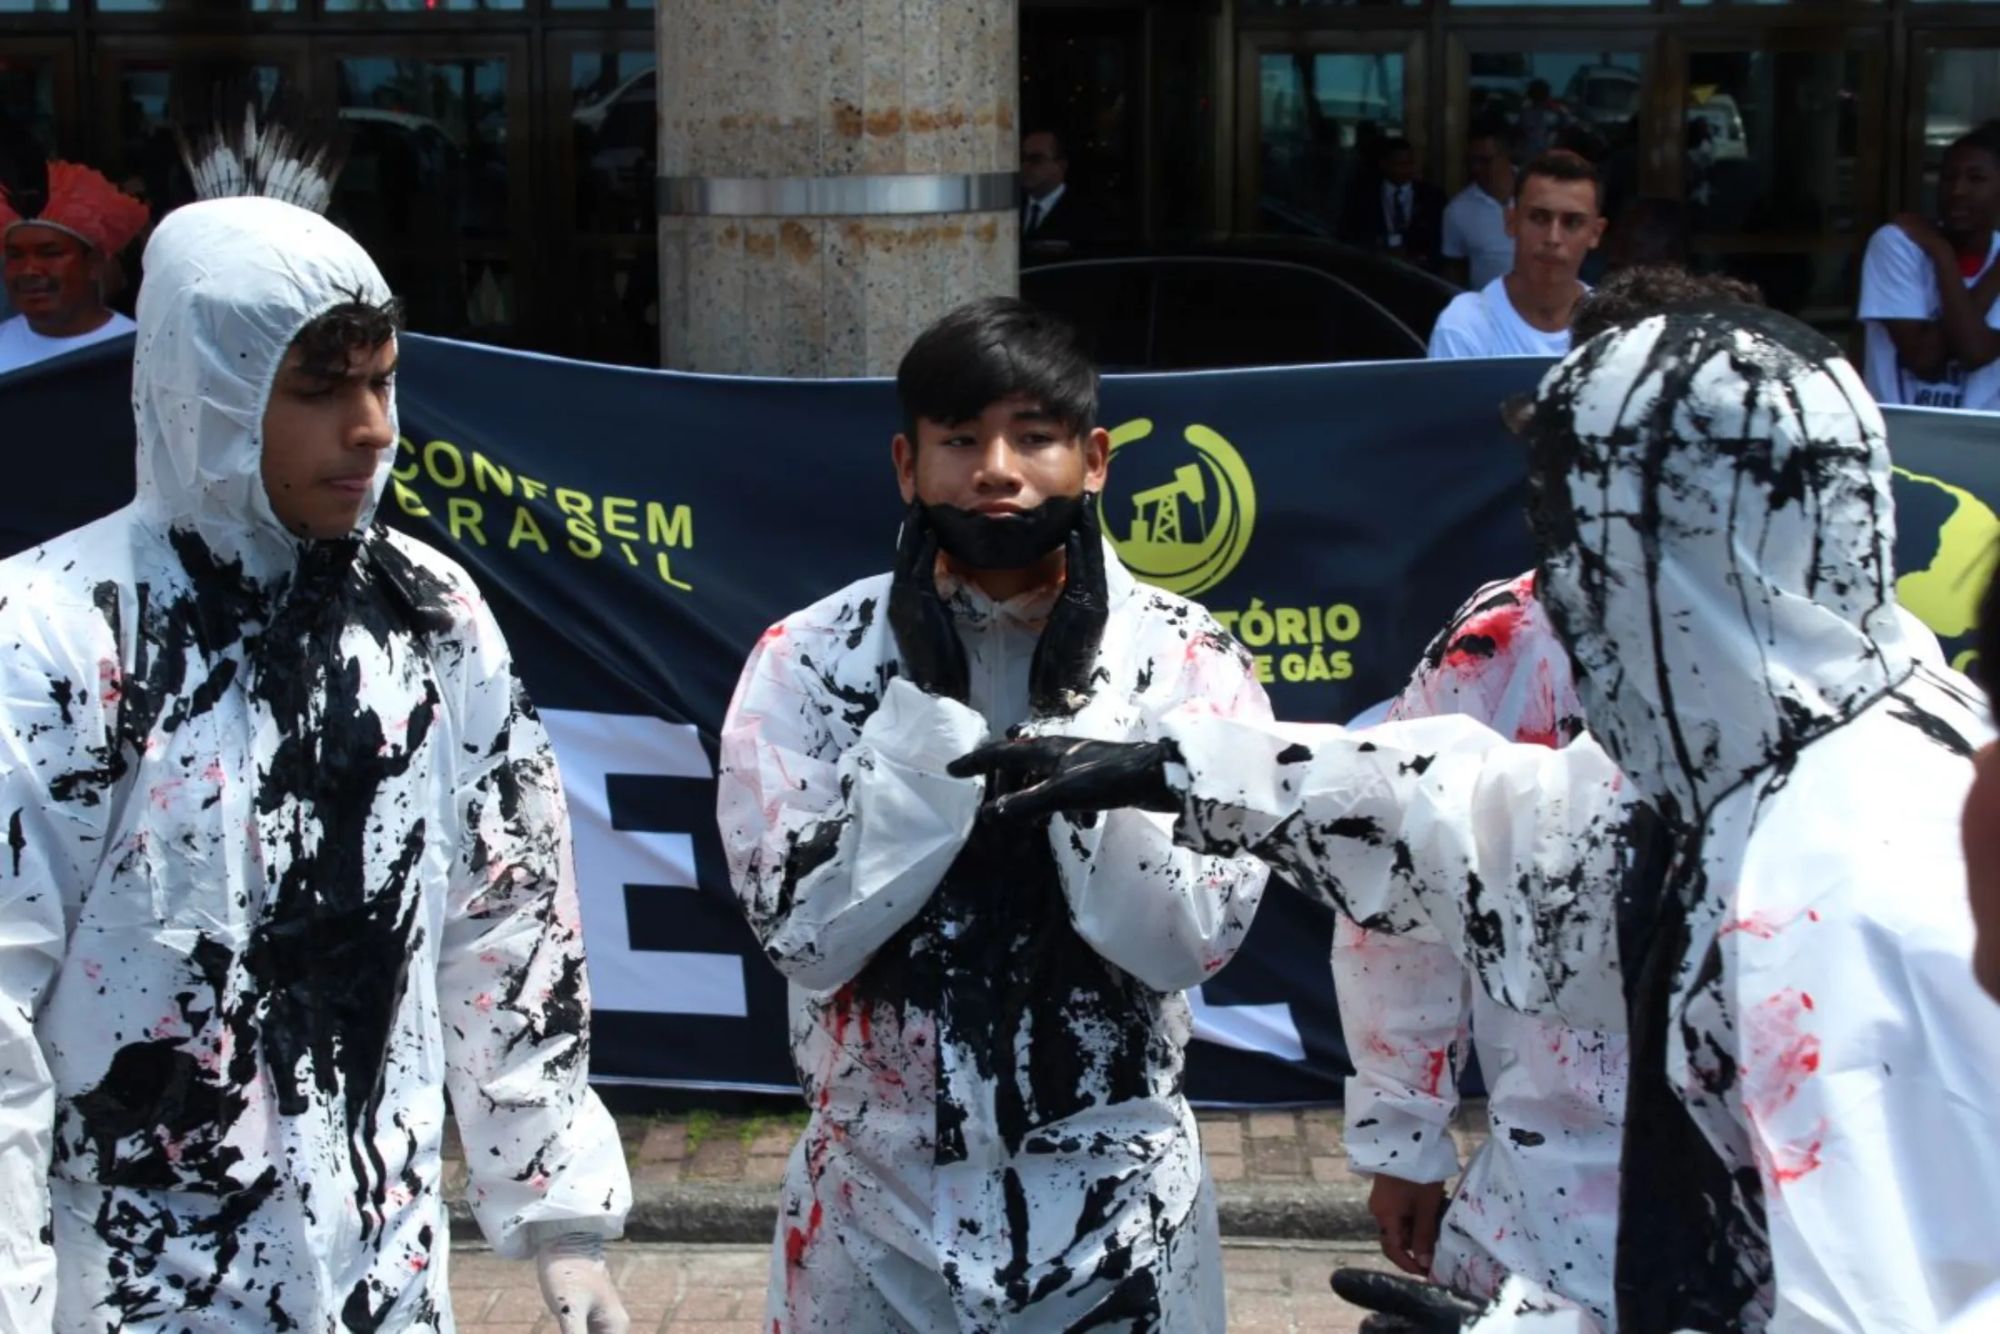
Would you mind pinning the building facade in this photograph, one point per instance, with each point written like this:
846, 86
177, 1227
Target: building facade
503, 151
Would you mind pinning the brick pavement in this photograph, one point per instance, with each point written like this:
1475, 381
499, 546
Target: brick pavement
1288, 1148
693, 1289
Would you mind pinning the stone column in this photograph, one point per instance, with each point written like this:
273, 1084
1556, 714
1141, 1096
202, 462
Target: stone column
798, 140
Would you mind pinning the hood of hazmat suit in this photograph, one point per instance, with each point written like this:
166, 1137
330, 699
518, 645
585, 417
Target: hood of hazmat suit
987, 1019
1712, 500
288, 860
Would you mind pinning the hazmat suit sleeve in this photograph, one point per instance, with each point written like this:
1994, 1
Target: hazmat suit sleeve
1509, 854
836, 836
1403, 1004
543, 1152
59, 722
1168, 915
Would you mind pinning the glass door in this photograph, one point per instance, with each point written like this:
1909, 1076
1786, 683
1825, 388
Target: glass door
1312, 111
437, 181
603, 274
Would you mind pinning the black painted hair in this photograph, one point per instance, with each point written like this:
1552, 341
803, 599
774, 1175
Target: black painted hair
1985, 137
1988, 641
1647, 289
1559, 164
328, 343
994, 348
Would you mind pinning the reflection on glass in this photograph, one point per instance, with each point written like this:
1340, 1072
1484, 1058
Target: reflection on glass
1321, 117
1964, 92
1584, 101
417, 6
1285, 6
178, 8
613, 97
1772, 142
1462, 4
614, 299
1819, 287
426, 178
610, 289
1080, 79
157, 96
27, 105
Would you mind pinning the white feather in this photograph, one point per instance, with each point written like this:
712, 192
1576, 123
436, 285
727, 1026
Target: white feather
273, 161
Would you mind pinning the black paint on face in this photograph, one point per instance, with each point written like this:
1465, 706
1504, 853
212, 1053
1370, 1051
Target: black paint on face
1004, 542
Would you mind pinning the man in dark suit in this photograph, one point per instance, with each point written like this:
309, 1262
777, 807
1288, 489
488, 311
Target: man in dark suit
1055, 222
1390, 209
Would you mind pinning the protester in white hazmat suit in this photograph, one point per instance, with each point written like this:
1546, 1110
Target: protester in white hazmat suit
988, 1021
287, 855
1541, 1198
1812, 1083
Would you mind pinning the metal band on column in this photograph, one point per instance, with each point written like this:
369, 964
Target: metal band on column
835, 196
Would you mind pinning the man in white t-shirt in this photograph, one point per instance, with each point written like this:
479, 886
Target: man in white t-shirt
1928, 290
56, 258
1557, 219
1476, 241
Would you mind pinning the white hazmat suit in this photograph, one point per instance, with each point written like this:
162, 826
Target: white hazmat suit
1541, 1198
287, 861
1812, 1075
988, 1022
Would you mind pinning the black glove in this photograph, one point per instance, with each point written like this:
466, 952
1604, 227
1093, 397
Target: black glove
1066, 655
1407, 1303
926, 639
1069, 774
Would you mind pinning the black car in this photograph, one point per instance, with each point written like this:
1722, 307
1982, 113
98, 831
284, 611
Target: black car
1264, 301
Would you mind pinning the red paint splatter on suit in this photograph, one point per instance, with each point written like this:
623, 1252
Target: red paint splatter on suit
1435, 1062
1780, 1053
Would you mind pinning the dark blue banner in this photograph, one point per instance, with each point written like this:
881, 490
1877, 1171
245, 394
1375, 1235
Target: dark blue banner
638, 530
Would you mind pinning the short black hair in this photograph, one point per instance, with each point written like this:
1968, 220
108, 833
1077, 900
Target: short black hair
1647, 289
329, 342
1985, 137
1987, 669
1395, 143
994, 348
1560, 164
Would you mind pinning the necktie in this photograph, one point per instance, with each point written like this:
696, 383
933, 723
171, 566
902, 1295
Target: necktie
1034, 214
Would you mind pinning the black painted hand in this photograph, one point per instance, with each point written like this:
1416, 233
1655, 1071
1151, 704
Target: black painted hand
1043, 775
1411, 1303
1066, 655
927, 641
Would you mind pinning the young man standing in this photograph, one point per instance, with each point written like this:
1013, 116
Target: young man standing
289, 859
1928, 290
987, 1019
1555, 222
55, 264
1477, 245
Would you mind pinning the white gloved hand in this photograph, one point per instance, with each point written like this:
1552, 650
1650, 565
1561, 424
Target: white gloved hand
576, 1283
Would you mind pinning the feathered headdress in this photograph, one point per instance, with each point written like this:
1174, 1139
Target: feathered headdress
271, 160
84, 204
